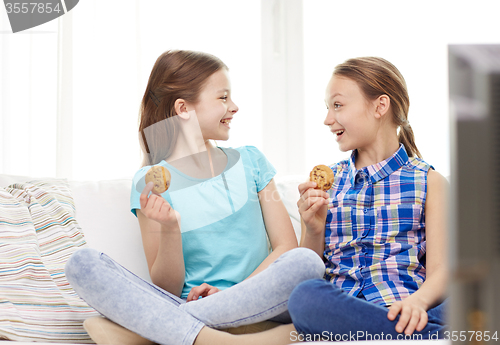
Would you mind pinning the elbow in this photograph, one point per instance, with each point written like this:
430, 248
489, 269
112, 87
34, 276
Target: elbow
173, 286
292, 244
286, 246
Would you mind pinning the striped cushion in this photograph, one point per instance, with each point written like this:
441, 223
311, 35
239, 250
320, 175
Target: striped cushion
38, 233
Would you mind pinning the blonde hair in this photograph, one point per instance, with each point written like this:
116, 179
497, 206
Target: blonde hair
175, 74
375, 77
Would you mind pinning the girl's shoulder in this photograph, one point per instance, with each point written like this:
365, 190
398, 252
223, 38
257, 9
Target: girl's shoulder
246, 148
430, 174
247, 151
415, 163
143, 170
255, 161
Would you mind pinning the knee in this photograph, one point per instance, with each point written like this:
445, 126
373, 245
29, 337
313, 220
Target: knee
79, 265
307, 263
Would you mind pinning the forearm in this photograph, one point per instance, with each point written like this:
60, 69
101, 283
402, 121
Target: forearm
315, 243
278, 226
433, 290
168, 269
314, 240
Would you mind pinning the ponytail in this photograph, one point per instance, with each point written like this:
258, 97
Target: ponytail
375, 77
407, 138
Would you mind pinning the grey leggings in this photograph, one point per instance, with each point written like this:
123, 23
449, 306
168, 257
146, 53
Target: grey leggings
164, 318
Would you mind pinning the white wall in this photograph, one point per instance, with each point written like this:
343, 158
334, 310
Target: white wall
113, 60
413, 35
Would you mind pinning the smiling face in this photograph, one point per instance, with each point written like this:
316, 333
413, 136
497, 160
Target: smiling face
215, 108
350, 115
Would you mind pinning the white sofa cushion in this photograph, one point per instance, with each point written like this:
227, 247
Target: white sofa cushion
103, 211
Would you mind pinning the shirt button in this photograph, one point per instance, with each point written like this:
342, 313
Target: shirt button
365, 210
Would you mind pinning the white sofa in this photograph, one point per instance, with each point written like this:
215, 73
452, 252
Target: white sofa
102, 212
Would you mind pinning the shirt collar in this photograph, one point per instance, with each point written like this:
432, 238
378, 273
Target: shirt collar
381, 170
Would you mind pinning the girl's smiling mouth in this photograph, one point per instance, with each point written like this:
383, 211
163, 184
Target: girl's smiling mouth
226, 121
338, 133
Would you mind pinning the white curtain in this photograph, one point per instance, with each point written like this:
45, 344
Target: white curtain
28, 99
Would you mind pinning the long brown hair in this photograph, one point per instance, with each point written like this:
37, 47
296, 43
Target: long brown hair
175, 74
375, 77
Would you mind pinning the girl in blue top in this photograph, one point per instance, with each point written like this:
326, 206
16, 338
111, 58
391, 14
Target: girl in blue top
221, 196
206, 236
381, 228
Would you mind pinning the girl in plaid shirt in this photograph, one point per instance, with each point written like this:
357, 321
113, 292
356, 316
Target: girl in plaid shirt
381, 228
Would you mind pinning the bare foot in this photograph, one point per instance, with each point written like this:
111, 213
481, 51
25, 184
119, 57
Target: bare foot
105, 332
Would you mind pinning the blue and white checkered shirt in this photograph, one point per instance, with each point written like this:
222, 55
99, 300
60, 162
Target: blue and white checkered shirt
375, 228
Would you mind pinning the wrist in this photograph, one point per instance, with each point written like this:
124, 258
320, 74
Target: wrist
421, 300
315, 231
314, 241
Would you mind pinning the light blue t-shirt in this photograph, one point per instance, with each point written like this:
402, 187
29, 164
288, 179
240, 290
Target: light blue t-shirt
223, 233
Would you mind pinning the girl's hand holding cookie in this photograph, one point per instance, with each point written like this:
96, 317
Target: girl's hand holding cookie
155, 207
312, 206
313, 198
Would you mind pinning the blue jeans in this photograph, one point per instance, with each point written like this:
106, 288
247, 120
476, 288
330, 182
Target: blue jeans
323, 311
164, 318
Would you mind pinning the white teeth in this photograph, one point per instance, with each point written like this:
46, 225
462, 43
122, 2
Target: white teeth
339, 132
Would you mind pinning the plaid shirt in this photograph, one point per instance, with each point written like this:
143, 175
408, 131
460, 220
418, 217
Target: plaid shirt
375, 228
